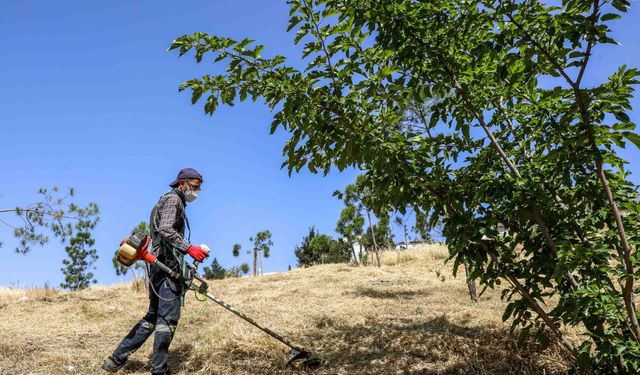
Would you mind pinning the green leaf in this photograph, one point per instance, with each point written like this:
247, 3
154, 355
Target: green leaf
610, 16
621, 5
621, 115
508, 311
632, 137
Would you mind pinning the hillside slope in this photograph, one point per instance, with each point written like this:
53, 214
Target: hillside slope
400, 319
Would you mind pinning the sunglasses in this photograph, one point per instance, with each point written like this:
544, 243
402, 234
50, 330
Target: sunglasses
193, 187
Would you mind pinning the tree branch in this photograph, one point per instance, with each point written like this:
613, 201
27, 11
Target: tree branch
585, 60
544, 51
38, 212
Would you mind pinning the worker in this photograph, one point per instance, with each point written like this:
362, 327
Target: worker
167, 229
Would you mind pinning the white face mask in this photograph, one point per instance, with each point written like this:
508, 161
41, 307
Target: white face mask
190, 195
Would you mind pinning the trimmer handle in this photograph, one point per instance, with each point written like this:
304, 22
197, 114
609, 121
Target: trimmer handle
196, 262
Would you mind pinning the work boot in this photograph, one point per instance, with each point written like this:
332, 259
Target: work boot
110, 365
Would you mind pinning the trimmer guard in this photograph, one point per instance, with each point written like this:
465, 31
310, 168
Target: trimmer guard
307, 359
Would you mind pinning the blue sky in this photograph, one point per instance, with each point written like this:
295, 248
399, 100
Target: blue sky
88, 98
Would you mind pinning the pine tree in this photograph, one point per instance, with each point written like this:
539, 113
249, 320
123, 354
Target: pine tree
51, 214
80, 251
215, 272
303, 251
122, 270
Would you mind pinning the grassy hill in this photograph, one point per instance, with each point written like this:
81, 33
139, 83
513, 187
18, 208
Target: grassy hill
408, 317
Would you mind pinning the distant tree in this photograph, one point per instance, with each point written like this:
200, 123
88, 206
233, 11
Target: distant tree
358, 195
329, 250
215, 272
422, 227
80, 251
341, 253
122, 270
319, 248
350, 226
53, 212
261, 246
236, 249
67, 221
402, 220
383, 231
303, 252
383, 234
244, 267
237, 271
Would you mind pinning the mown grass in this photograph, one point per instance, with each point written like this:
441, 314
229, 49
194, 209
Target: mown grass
408, 317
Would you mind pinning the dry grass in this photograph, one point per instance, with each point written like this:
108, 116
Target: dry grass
399, 319
423, 254
44, 293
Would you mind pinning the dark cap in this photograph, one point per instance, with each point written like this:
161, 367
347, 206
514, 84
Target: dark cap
186, 173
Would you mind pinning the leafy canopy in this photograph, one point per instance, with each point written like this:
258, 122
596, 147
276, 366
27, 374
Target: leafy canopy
441, 104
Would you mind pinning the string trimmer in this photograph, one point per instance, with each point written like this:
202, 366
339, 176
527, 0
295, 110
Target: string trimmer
135, 248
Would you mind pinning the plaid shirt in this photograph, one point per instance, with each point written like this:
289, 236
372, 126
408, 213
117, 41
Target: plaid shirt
167, 222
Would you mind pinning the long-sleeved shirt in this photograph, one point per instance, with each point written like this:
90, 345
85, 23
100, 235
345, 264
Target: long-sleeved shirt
167, 225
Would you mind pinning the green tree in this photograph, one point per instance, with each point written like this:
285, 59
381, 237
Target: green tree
422, 227
57, 214
237, 271
328, 250
402, 220
236, 249
122, 270
80, 252
261, 247
382, 232
319, 248
525, 177
306, 257
52, 213
358, 195
215, 272
350, 227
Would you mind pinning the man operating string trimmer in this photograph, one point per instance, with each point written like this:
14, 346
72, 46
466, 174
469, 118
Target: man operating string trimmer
167, 227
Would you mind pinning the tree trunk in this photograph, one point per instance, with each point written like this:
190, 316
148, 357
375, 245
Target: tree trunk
255, 262
406, 237
471, 284
363, 259
373, 237
354, 255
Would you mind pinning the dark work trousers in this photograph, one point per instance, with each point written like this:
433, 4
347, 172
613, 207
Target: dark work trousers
163, 315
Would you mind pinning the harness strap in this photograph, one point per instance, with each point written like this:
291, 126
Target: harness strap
167, 249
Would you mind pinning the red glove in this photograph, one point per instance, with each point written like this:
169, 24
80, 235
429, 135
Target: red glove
197, 252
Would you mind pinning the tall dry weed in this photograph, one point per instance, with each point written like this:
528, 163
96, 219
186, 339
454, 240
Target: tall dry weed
422, 253
42, 293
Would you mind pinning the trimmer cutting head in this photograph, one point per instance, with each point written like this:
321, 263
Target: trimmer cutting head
307, 359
